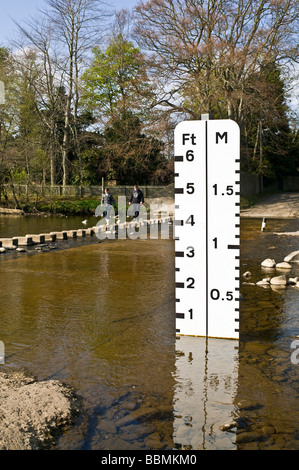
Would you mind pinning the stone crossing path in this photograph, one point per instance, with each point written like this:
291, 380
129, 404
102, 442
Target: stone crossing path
31, 240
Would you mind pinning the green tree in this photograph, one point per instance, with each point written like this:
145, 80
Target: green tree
118, 92
117, 80
274, 152
9, 158
29, 140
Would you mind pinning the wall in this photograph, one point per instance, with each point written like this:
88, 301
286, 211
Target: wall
250, 184
291, 183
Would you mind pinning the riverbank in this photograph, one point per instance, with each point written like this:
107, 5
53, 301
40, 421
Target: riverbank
53, 205
33, 414
7, 211
69, 206
63, 206
278, 205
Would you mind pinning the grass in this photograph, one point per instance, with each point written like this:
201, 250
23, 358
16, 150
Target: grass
58, 205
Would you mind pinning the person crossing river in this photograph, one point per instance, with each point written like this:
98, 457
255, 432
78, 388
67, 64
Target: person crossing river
107, 201
136, 199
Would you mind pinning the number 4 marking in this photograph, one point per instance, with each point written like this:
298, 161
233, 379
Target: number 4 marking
190, 220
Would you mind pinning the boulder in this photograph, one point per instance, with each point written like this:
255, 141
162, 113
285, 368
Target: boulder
268, 263
283, 265
292, 257
247, 274
279, 281
263, 281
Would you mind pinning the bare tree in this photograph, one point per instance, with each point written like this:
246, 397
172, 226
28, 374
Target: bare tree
204, 50
79, 25
37, 38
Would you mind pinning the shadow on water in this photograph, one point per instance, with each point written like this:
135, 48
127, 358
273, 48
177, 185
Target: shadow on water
100, 317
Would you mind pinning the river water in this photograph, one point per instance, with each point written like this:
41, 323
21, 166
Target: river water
99, 316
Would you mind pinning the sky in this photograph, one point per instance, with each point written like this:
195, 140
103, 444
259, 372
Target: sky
21, 9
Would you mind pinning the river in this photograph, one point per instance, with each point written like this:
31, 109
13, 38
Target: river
99, 316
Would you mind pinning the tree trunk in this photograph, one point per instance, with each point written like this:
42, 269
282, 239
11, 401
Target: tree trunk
261, 141
67, 119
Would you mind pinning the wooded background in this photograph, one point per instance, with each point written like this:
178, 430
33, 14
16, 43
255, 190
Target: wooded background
90, 94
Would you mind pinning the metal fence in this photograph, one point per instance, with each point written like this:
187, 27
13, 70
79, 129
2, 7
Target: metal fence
250, 184
87, 191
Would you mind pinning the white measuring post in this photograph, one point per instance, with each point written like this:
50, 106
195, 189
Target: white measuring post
207, 228
2, 93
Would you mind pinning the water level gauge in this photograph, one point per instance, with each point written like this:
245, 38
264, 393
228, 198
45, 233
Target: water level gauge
207, 228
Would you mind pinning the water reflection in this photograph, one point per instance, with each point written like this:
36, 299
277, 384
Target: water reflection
206, 384
15, 225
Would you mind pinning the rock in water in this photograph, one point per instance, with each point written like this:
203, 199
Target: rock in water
279, 281
268, 263
247, 274
283, 265
263, 282
292, 257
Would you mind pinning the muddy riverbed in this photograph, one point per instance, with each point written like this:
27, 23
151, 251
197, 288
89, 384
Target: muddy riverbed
100, 318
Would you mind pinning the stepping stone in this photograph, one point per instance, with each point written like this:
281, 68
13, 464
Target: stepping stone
72, 233
24, 241
9, 242
49, 237
60, 235
37, 238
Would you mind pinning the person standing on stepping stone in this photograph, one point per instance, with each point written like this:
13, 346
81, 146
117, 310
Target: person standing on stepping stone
108, 201
136, 199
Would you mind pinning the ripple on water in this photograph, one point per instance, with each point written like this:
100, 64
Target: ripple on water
101, 318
